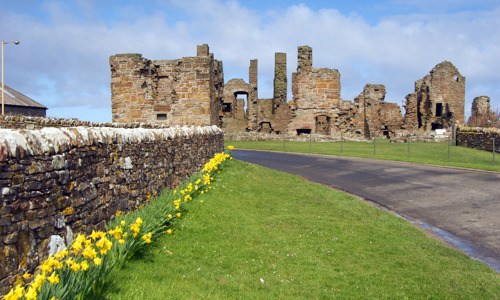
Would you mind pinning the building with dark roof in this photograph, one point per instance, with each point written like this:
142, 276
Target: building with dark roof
16, 103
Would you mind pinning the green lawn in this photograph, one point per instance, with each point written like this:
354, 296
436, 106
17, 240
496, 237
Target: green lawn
263, 234
430, 153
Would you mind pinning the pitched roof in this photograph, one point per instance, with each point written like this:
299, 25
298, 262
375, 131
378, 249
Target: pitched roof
13, 97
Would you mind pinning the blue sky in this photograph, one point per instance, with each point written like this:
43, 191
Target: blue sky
62, 60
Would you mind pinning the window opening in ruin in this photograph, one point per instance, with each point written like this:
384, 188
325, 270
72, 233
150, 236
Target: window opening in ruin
226, 108
265, 127
436, 126
303, 131
243, 96
323, 125
386, 133
456, 78
376, 90
161, 117
439, 109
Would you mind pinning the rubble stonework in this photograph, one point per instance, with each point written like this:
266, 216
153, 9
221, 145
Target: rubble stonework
192, 91
377, 117
280, 81
481, 113
478, 138
316, 106
185, 91
438, 101
73, 179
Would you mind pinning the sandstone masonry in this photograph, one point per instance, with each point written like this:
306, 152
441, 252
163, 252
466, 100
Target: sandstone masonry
185, 91
192, 91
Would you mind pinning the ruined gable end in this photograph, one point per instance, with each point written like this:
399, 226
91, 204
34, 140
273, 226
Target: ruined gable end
438, 101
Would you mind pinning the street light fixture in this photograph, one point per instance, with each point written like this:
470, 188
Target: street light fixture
3, 87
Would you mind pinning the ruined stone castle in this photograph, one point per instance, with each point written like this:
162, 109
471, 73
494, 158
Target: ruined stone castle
191, 91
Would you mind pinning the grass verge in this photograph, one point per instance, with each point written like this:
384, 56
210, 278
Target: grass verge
263, 234
429, 153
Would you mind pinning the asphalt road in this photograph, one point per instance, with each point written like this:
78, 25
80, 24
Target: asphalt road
463, 202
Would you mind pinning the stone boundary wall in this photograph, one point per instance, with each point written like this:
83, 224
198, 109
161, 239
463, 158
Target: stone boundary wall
27, 122
478, 138
401, 137
57, 182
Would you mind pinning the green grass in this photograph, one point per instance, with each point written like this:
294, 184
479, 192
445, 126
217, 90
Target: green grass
304, 240
429, 153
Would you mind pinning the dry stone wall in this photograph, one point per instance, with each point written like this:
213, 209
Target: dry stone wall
478, 138
62, 181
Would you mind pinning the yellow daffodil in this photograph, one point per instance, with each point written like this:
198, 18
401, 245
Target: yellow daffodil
54, 278
122, 223
15, 293
75, 267
31, 294
89, 252
178, 215
84, 265
169, 231
97, 261
61, 254
37, 283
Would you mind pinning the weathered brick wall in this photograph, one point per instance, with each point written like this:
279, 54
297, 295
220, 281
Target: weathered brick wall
478, 138
58, 181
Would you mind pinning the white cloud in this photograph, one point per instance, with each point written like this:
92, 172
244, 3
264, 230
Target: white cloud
62, 60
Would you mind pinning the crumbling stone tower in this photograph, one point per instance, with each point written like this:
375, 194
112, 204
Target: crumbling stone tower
317, 106
481, 113
185, 91
375, 116
280, 80
438, 101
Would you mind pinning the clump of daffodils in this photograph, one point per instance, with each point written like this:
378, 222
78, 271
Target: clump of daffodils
72, 272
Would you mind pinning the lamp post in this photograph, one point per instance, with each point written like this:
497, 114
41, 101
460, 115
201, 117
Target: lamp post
3, 87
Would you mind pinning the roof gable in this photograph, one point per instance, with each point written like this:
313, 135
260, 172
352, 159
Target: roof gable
13, 97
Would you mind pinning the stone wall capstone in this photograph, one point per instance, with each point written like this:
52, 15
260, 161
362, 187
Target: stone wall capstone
60, 181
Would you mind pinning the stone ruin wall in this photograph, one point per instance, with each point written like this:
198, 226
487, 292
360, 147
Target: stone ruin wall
185, 91
58, 181
481, 113
316, 107
376, 117
438, 101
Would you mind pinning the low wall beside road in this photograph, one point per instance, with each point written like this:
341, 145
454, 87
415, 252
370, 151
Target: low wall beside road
478, 138
59, 181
